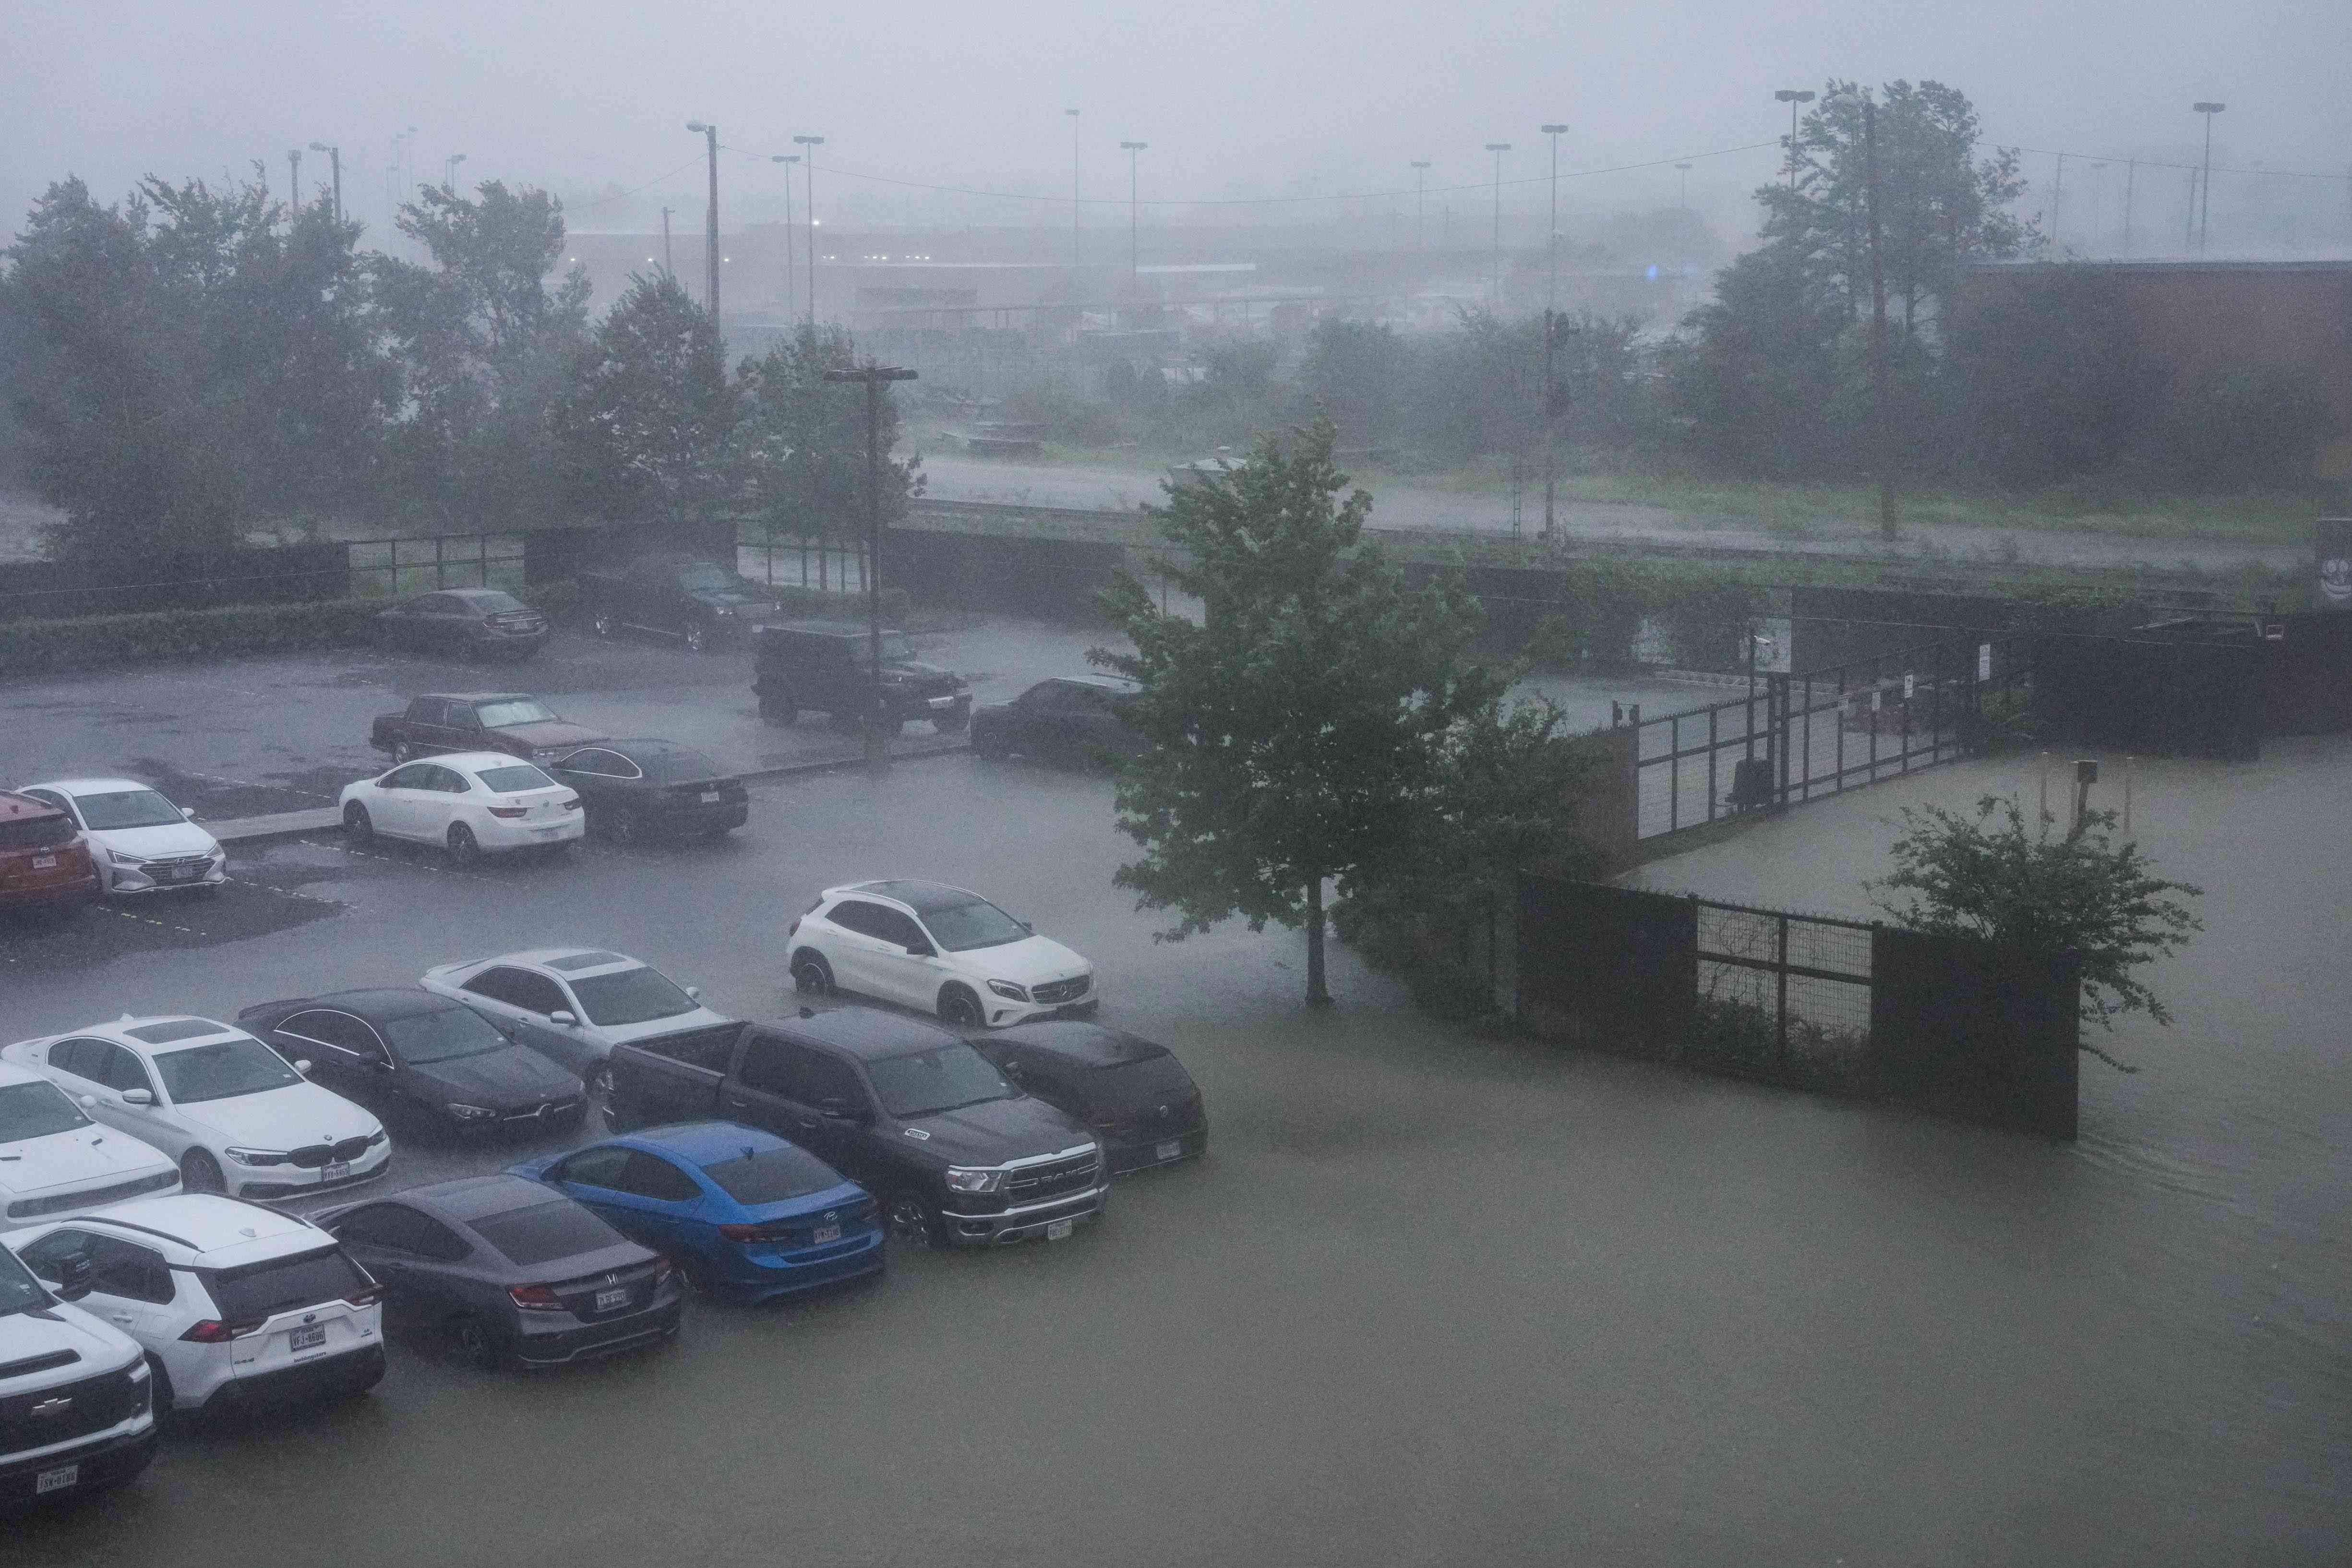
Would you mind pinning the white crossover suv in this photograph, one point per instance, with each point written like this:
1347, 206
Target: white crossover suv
55, 1161
141, 843
940, 949
471, 803
227, 1107
235, 1305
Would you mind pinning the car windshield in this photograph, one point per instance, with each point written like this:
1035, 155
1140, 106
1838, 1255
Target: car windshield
932, 1080
498, 603
443, 1036
223, 1071
19, 1291
545, 1232
771, 1175
127, 808
514, 780
674, 766
631, 996
704, 577
35, 1111
513, 710
896, 648
961, 928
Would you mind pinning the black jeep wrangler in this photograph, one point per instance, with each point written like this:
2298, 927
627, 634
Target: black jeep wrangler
825, 667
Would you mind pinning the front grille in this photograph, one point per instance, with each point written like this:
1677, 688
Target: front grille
163, 868
49, 1361
33, 1207
1035, 1184
1062, 990
311, 1156
58, 1414
548, 1111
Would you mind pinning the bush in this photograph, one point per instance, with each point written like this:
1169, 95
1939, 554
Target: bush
35, 647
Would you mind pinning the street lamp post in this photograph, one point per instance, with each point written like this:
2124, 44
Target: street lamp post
335, 155
294, 177
808, 171
668, 271
792, 292
1551, 335
1498, 149
710, 134
1134, 217
449, 172
1792, 97
1419, 206
1684, 169
873, 376
2205, 188
1077, 206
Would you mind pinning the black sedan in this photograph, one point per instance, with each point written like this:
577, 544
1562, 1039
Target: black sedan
466, 622
517, 1274
1131, 1093
409, 1052
1069, 720
654, 790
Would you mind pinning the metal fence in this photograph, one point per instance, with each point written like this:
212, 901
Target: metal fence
824, 566
394, 569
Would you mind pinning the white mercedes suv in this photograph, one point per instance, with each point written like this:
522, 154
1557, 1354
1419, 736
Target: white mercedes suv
940, 949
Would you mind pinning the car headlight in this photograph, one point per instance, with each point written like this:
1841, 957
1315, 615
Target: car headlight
256, 1156
378, 1136
545, 753
471, 1113
721, 610
963, 1180
1010, 991
124, 857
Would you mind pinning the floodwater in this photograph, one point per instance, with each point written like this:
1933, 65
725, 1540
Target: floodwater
1432, 1299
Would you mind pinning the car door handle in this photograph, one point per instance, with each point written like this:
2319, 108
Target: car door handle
736, 1102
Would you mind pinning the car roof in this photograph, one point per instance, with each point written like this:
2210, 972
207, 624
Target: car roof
1087, 1045
12, 1074
119, 1029
477, 760
384, 1001
548, 958
15, 808
477, 1197
701, 1143
88, 786
225, 1230
829, 628
919, 896
866, 1033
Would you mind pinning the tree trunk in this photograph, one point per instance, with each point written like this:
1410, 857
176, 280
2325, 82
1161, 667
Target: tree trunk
1319, 995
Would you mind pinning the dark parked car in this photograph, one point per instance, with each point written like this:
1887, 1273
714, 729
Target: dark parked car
914, 1114
827, 667
1067, 719
1131, 1093
44, 859
517, 1274
403, 1048
654, 790
745, 1212
696, 601
468, 622
513, 722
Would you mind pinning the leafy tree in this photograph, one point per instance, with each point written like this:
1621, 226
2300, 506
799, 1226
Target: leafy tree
1302, 731
643, 426
800, 453
1352, 376
2051, 381
1992, 877
1754, 377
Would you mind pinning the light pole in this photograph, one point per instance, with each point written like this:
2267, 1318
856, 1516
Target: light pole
710, 134
1792, 97
450, 174
1134, 218
668, 271
1552, 329
2131, 176
873, 376
294, 181
1684, 169
1075, 206
808, 171
1419, 206
2098, 195
2205, 189
1498, 149
334, 154
791, 293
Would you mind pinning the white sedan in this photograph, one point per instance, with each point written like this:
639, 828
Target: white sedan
55, 1161
226, 1106
472, 803
141, 843
574, 1004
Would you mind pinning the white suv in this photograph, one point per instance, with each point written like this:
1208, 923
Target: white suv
940, 949
77, 1412
234, 1304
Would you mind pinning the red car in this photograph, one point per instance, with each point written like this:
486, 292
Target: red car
44, 860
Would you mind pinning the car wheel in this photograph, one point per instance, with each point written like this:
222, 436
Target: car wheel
464, 848
199, 1172
606, 1097
477, 1345
403, 752
988, 743
698, 1276
778, 710
601, 623
959, 1008
954, 721
914, 1221
622, 827
696, 637
812, 975
358, 826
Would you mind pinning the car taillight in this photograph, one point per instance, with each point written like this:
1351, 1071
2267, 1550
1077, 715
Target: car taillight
795, 928
535, 1299
663, 1269
363, 1299
212, 1331
508, 811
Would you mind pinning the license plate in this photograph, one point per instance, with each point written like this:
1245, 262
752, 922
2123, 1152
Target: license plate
942, 701
309, 1337
547, 832
45, 863
186, 873
611, 1301
57, 1480
1058, 1229
710, 797
1171, 1149
335, 1170
824, 1233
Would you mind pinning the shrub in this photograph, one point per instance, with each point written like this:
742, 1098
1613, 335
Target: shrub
34, 647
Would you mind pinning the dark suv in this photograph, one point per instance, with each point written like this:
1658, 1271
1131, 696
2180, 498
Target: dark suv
825, 667
957, 1155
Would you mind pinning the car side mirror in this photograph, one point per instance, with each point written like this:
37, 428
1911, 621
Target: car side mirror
139, 1097
73, 1272
564, 1017
86, 1100
694, 993
920, 949
303, 1067
189, 813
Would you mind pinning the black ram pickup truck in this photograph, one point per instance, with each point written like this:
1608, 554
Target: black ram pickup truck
512, 722
696, 601
958, 1156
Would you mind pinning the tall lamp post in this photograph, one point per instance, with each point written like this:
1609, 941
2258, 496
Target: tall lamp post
791, 293
1551, 336
1792, 97
710, 134
336, 155
808, 171
449, 172
1419, 206
1134, 217
1498, 149
1684, 169
873, 376
2205, 188
1076, 207
294, 178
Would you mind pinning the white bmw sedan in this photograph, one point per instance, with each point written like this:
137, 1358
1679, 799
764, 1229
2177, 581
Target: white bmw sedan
226, 1106
141, 843
471, 803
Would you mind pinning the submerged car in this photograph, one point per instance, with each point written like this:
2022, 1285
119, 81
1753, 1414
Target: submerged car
469, 622
1069, 720
1129, 1091
634, 790
940, 949
142, 843
575, 1004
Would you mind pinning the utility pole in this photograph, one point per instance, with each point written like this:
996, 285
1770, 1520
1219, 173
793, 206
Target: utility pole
2188, 227
1498, 149
808, 171
1419, 206
1551, 338
1792, 97
2205, 187
792, 294
878, 754
294, 177
710, 134
336, 155
668, 271
1881, 391
1134, 220
1077, 208
2131, 176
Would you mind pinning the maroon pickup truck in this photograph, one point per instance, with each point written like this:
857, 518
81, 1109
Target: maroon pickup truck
512, 722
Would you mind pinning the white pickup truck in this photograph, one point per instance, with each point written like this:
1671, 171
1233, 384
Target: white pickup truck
76, 1398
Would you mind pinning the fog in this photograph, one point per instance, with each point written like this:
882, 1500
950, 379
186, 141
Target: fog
1237, 101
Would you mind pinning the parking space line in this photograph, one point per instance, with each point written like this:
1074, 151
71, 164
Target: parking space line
164, 924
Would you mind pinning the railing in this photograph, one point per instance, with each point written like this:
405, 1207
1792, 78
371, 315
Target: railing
394, 569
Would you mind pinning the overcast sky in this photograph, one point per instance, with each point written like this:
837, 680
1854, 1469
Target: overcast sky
1264, 97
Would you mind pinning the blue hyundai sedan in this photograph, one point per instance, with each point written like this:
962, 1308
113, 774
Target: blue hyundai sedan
743, 1212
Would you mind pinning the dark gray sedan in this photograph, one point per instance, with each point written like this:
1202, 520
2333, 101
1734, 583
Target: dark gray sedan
464, 622
517, 1274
